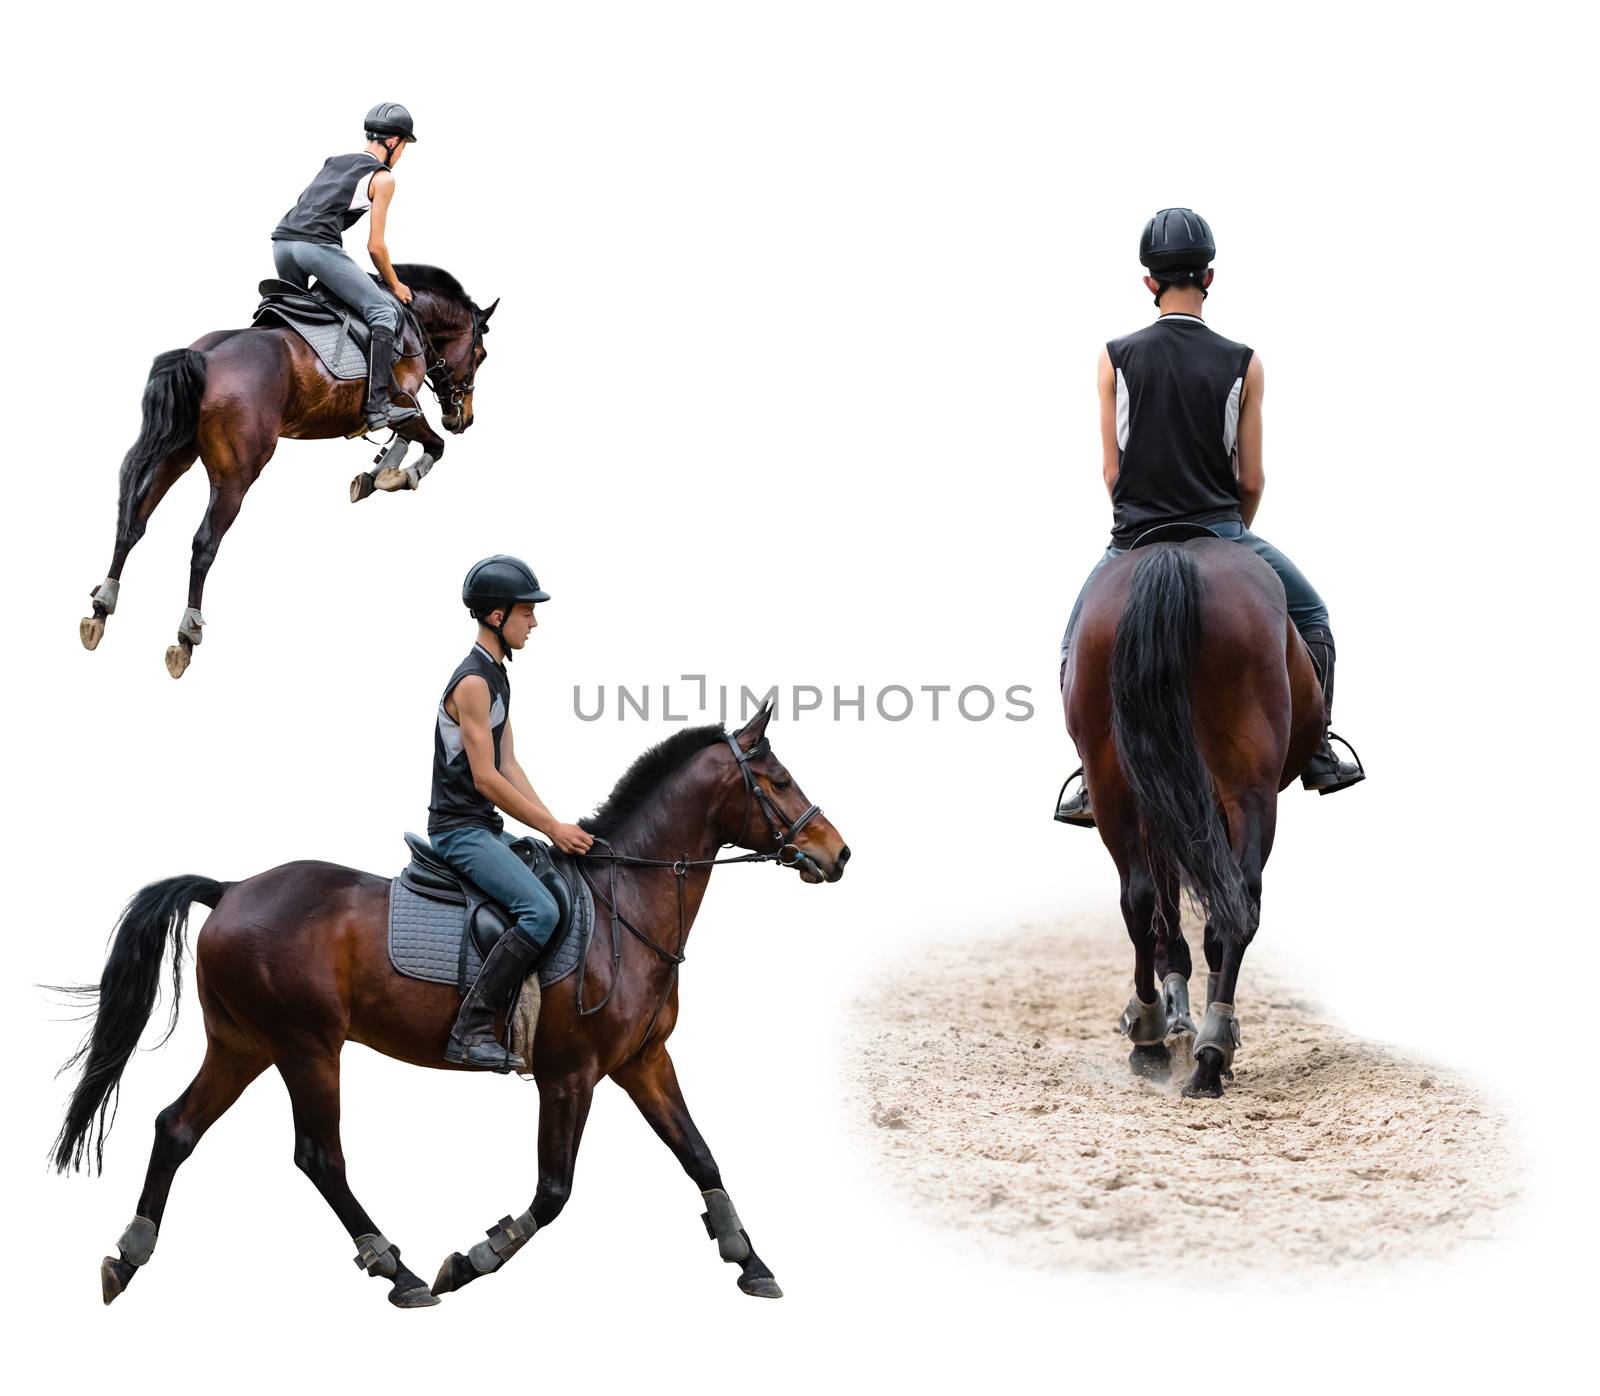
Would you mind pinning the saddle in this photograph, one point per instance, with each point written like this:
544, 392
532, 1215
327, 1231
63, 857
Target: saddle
442, 926
336, 333
1173, 533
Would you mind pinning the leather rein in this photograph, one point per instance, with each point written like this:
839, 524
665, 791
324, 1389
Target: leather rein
784, 853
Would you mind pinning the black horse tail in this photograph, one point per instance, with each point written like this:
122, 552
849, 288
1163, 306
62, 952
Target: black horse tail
125, 998
1152, 719
172, 396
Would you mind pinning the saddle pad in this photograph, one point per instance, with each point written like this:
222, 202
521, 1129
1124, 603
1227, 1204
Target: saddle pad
425, 938
340, 354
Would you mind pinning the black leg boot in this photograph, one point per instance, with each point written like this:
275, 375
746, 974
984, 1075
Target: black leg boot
1325, 772
472, 1040
381, 412
1074, 808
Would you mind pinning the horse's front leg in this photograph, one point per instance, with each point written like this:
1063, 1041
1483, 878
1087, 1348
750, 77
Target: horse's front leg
652, 1084
391, 472
563, 1108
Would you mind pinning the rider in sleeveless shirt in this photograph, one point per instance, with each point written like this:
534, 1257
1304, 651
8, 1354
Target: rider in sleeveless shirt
475, 776
310, 242
1180, 424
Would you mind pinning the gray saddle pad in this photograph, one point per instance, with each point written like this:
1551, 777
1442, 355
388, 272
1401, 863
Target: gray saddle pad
425, 938
335, 346
336, 334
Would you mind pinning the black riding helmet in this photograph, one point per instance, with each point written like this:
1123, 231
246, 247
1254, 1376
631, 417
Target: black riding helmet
1177, 247
496, 584
389, 119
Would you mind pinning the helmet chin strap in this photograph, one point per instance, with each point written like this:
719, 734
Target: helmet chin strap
499, 631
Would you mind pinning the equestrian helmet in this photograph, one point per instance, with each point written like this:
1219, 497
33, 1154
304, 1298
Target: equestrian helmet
1177, 239
499, 582
390, 119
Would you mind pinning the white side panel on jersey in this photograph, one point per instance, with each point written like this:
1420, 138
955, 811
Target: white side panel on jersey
1122, 412
1230, 418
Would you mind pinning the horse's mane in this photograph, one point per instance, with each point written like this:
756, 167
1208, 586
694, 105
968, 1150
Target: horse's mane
640, 780
421, 277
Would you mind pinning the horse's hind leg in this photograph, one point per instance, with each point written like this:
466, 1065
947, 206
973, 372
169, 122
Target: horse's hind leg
104, 597
312, 1077
232, 472
223, 1075
652, 1083
1144, 1020
1250, 830
563, 1109
1173, 962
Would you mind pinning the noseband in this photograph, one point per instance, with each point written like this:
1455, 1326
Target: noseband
452, 394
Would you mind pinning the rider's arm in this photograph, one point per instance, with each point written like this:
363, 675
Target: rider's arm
1252, 477
1108, 422
382, 190
471, 703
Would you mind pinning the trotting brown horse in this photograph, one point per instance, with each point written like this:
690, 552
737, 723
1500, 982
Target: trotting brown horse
293, 963
1193, 702
232, 395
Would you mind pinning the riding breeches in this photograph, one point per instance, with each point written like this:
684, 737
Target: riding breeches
486, 858
300, 261
1306, 608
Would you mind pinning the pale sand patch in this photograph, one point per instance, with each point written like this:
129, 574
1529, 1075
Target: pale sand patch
991, 1084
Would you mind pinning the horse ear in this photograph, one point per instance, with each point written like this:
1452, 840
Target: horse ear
756, 727
483, 315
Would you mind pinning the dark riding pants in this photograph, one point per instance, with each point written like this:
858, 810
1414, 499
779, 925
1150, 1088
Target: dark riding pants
1306, 608
486, 858
300, 261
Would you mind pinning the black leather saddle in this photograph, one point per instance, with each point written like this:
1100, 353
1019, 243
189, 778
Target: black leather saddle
429, 876
1173, 533
296, 308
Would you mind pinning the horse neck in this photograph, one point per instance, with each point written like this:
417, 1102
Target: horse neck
439, 314
679, 823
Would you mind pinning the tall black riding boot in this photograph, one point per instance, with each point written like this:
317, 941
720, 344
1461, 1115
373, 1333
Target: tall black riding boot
472, 1040
381, 412
1325, 772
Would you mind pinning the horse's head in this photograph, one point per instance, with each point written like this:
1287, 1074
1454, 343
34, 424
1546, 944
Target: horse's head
763, 809
453, 367
455, 327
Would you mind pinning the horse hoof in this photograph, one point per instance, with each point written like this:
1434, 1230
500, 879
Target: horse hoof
389, 480
1202, 1090
90, 629
456, 1271
360, 488
112, 1279
1151, 1062
178, 657
760, 1286
417, 1297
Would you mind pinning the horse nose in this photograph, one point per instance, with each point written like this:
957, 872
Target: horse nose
844, 856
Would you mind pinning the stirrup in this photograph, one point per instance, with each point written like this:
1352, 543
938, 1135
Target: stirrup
1335, 737
1082, 818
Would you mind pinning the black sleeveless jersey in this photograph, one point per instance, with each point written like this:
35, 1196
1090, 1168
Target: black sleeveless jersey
332, 202
456, 801
1179, 385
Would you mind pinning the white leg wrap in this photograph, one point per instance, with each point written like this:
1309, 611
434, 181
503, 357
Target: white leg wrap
138, 1241
189, 626
106, 595
724, 1227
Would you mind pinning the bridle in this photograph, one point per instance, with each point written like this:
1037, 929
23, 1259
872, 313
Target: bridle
452, 394
784, 853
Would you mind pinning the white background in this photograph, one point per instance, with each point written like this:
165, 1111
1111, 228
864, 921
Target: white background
792, 382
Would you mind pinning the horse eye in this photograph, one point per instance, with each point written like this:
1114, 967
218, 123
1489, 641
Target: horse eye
781, 783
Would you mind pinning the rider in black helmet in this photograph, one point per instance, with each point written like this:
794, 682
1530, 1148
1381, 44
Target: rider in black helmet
475, 776
310, 242
1180, 426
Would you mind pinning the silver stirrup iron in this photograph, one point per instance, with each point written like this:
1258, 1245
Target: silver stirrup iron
724, 1227
506, 1237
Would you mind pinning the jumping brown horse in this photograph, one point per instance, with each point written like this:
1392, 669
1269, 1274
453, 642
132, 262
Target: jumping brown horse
232, 395
1193, 702
293, 963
